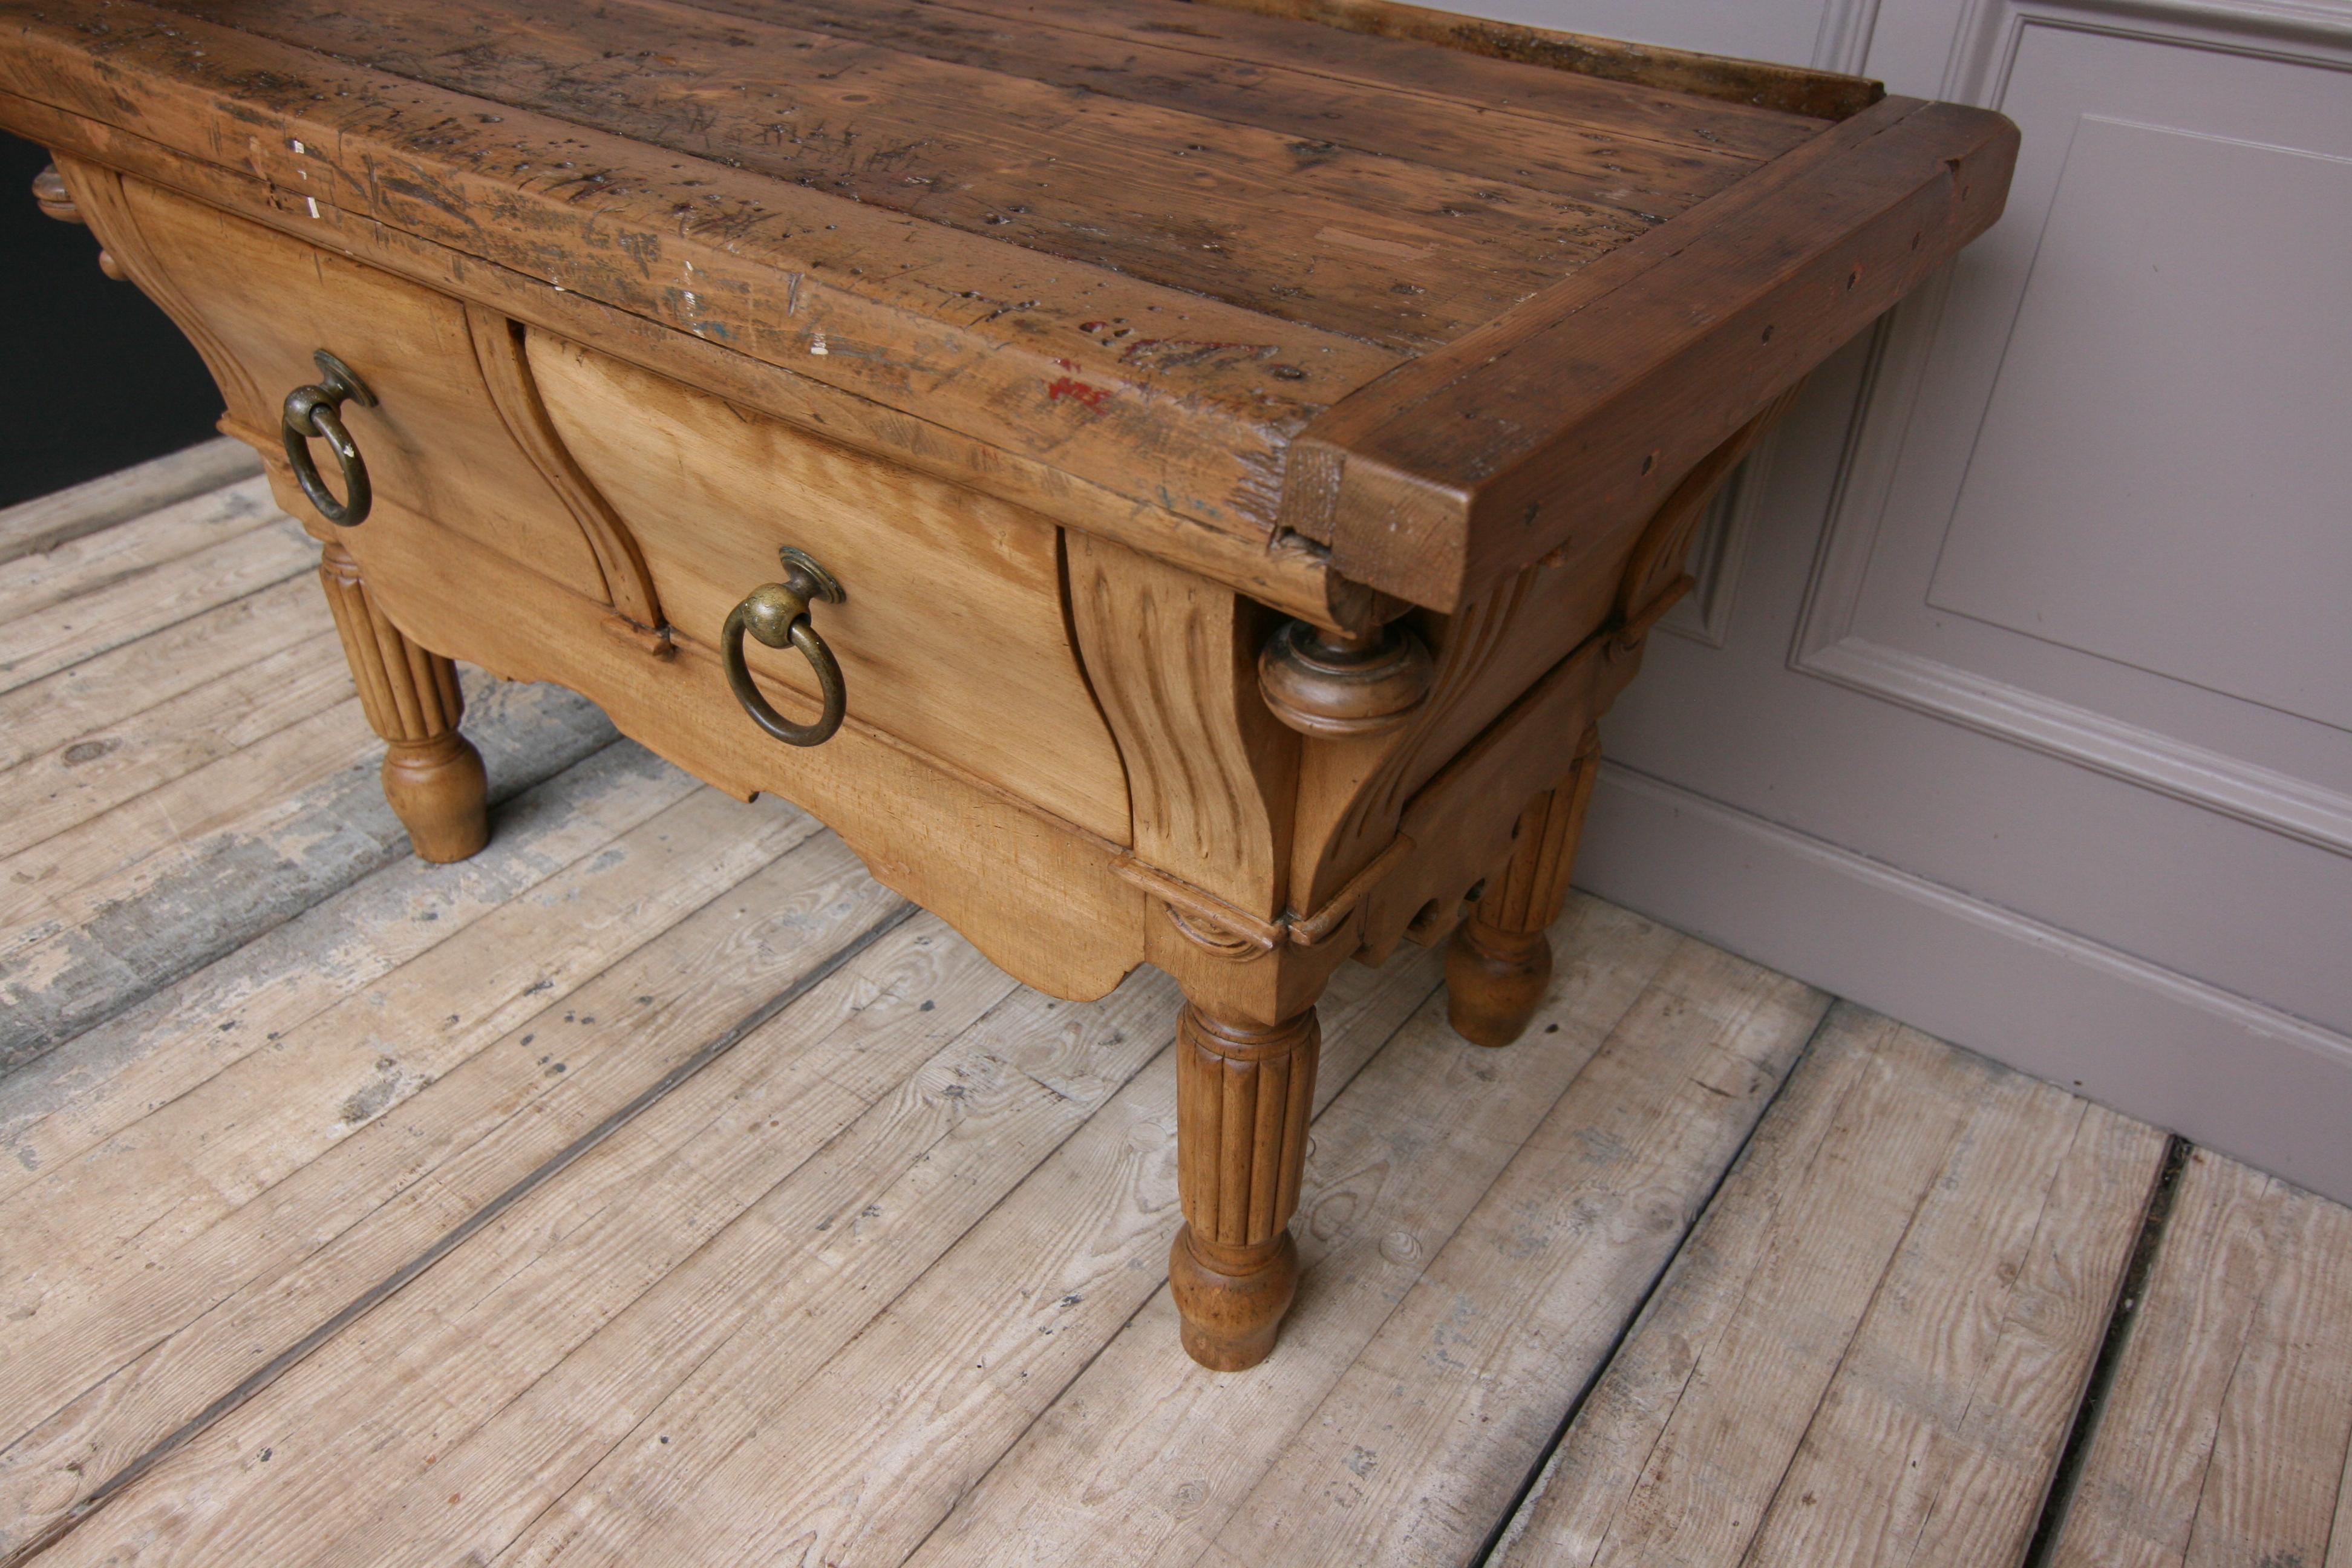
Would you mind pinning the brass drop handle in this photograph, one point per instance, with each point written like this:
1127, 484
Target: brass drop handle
778, 614
316, 410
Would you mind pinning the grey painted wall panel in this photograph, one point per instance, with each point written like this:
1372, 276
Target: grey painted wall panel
2017, 698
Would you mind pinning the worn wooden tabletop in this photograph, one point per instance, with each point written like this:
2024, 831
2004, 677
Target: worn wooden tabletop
1414, 310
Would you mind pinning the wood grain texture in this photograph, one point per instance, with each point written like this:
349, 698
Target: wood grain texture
436, 439
1500, 960
85, 700
1437, 483
1526, 893
34, 584
70, 783
873, 1090
858, 1456
2223, 1438
104, 201
122, 611
1293, 574
1033, 890
38, 526
112, 910
1312, 233
168, 808
1002, 324
1271, 35
953, 637
396, 1140
879, 1254
1426, 1440
514, 392
1144, 1459
1159, 54
1352, 791
111, 1075
1797, 1386
1095, 239
1243, 1095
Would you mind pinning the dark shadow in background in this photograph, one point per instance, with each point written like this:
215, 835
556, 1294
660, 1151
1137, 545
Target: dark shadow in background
92, 376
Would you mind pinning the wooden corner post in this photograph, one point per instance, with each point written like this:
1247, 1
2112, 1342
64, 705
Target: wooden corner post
1500, 959
432, 775
1243, 1095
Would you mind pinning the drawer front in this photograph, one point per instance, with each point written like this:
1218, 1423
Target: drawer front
953, 637
258, 302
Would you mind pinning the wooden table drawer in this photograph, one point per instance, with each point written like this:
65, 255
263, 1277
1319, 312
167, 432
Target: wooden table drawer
257, 303
952, 635
666, 503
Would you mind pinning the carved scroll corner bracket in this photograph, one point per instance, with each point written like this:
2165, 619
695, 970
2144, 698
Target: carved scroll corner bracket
1332, 685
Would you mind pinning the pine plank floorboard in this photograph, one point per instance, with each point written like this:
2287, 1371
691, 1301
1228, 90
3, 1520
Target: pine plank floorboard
146, 1056
2222, 1441
1802, 1388
1432, 1160
89, 700
656, 1187
45, 522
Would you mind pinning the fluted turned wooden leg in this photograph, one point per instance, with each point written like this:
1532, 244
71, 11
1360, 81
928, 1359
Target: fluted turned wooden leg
1242, 1095
1500, 960
432, 775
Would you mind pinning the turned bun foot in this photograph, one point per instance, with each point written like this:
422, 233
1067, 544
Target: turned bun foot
441, 794
1499, 963
433, 777
1494, 980
1232, 1299
1244, 1094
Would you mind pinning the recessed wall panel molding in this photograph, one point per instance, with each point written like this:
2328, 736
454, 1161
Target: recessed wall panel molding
2093, 500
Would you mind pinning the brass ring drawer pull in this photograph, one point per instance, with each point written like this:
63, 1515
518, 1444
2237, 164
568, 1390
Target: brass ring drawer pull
778, 614
316, 410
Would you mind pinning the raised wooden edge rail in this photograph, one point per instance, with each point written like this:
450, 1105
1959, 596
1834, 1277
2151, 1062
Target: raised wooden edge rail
1564, 424
1795, 90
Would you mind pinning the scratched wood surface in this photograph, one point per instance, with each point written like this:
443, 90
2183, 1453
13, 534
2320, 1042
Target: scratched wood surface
1305, 228
656, 1187
1142, 251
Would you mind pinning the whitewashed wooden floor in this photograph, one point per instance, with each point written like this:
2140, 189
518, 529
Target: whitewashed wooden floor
656, 1188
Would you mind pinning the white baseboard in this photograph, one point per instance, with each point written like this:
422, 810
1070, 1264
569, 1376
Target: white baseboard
2230, 1074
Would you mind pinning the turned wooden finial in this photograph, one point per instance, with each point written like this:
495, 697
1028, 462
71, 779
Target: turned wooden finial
49, 191
1330, 684
57, 202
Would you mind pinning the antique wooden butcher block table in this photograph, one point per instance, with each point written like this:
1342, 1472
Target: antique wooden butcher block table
1169, 483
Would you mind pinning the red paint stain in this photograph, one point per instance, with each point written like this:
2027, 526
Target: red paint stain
1077, 391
